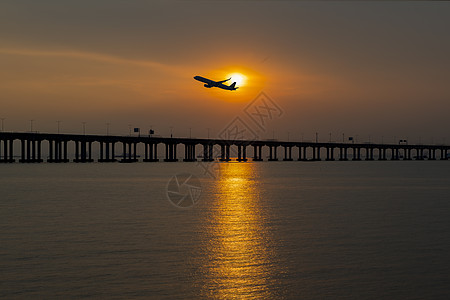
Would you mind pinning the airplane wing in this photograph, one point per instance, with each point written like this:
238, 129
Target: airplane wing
224, 80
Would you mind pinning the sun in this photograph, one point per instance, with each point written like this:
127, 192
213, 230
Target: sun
238, 78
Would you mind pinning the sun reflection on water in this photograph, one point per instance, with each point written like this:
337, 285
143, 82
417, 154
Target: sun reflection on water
240, 263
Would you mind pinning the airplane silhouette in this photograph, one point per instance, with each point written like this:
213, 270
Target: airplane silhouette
211, 83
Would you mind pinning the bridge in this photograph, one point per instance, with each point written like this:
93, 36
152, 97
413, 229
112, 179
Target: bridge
57, 148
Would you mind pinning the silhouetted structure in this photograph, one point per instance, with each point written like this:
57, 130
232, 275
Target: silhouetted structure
31, 149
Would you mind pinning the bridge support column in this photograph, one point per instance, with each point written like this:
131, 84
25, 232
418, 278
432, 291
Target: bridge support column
443, 154
8, 151
273, 153
257, 153
419, 154
56, 151
155, 152
151, 152
171, 152
101, 159
394, 154
330, 153
22, 151
211, 152
205, 152
305, 157
242, 153
39, 156
106, 152
381, 153
189, 152
432, 154
369, 153
50, 152
287, 153
222, 153
239, 158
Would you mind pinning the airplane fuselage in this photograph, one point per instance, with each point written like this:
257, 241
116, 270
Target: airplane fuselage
211, 83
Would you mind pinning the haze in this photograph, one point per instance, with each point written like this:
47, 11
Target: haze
372, 70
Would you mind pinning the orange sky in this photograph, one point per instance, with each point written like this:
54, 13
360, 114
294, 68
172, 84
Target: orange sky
366, 69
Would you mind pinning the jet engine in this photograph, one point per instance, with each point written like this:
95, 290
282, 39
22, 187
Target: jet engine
207, 86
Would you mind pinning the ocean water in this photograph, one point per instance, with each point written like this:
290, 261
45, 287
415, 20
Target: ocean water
265, 230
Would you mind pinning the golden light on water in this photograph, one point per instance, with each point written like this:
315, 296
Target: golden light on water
240, 263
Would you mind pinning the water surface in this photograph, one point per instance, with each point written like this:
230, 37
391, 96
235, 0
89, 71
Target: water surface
266, 230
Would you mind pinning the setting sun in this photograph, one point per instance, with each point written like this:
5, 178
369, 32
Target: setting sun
238, 78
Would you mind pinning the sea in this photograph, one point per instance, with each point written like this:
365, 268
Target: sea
198, 230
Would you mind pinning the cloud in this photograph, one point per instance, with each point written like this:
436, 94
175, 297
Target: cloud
99, 57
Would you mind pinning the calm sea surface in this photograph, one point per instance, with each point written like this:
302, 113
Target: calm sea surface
266, 230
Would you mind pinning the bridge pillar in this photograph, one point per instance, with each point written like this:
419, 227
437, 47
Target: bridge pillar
50, 152
39, 158
242, 153
257, 153
90, 152
305, 158
369, 153
33, 151
11, 151
113, 151
239, 158
381, 153
124, 152
330, 153
287, 153
273, 153
189, 152
432, 154
151, 152
155, 152
66, 159
22, 151
106, 151
171, 152
8, 151
419, 154
77, 151
28, 151
394, 155
443, 154
222, 153
101, 159
205, 152
211, 152
57, 151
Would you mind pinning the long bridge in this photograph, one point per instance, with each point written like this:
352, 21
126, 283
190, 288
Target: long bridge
57, 145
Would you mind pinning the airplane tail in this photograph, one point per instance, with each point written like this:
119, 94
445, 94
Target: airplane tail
233, 85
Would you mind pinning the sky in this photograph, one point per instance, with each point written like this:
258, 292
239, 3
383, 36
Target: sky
378, 71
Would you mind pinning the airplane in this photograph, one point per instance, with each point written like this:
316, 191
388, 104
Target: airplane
211, 83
